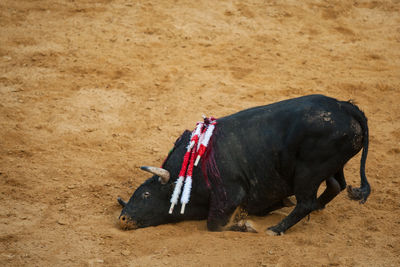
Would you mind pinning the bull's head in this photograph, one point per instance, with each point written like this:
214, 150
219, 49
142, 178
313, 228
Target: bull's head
149, 204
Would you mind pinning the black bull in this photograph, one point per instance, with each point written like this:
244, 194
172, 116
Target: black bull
263, 154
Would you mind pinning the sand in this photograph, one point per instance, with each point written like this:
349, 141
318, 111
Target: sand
91, 90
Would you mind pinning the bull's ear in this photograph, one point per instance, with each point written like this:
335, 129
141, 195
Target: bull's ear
121, 202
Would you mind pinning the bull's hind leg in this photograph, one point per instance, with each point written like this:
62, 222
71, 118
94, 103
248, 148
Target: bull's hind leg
307, 201
302, 209
306, 196
334, 185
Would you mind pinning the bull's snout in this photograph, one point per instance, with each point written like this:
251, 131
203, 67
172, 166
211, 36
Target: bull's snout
126, 222
123, 219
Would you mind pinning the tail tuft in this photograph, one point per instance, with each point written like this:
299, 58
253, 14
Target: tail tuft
361, 193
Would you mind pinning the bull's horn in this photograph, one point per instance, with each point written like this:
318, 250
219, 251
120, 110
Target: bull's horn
162, 173
121, 202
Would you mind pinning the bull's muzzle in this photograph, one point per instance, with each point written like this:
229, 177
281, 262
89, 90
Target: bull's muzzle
126, 222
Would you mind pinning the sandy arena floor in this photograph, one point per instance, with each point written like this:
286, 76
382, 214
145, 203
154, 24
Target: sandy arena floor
90, 90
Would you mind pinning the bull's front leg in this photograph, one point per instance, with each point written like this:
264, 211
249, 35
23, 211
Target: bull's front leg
225, 213
220, 210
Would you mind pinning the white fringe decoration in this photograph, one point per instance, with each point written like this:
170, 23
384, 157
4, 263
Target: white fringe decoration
198, 144
186, 193
177, 192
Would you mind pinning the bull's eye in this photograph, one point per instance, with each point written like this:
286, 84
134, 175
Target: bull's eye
145, 195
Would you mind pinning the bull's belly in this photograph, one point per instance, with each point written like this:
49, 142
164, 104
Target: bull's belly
262, 203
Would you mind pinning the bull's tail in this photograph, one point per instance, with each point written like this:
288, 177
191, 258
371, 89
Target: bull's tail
364, 190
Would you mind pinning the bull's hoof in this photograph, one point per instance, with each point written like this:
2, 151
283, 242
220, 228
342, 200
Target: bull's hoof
250, 227
272, 232
242, 226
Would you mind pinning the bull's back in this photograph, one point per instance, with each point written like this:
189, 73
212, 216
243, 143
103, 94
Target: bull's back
259, 129
287, 121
